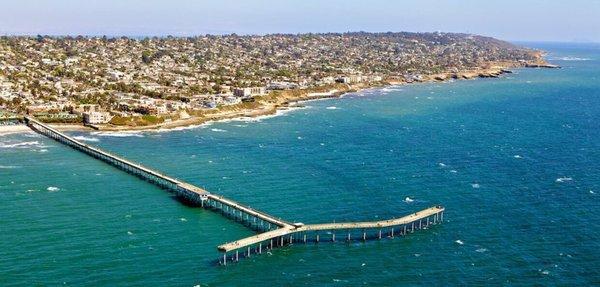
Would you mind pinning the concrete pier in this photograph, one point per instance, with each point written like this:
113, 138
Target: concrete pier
272, 229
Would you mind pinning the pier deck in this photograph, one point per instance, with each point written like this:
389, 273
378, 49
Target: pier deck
273, 231
409, 219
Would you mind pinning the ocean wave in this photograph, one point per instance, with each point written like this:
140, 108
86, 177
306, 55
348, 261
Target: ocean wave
570, 58
123, 134
52, 188
9, 166
459, 242
21, 144
190, 127
86, 139
332, 108
278, 113
408, 200
475, 185
218, 130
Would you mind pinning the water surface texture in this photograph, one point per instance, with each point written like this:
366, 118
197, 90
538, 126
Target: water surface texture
514, 160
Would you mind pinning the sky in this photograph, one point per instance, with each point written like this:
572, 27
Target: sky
513, 20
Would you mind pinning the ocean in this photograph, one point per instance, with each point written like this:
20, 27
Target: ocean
514, 160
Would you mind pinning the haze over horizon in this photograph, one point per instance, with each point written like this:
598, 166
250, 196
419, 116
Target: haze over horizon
512, 20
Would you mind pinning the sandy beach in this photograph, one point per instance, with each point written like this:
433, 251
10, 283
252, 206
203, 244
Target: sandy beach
22, 128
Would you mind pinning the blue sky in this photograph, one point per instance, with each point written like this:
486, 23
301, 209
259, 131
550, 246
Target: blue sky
524, 20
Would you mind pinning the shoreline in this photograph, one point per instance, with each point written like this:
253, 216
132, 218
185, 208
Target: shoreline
283, 102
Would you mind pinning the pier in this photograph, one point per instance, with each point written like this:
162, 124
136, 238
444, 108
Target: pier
273, 232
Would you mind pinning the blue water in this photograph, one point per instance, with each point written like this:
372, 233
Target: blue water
514, 160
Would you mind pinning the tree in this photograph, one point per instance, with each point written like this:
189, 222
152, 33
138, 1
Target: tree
147, 57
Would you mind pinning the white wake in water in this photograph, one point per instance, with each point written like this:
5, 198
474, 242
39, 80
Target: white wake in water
563, 179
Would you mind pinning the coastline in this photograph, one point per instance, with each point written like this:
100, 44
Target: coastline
284, 100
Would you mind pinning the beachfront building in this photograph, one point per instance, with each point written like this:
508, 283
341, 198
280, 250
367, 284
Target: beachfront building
350, 79
249, 92
96, 117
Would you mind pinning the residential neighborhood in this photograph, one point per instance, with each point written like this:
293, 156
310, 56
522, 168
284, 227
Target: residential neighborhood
100, 80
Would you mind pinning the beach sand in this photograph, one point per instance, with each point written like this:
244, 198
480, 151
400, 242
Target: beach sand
22, 128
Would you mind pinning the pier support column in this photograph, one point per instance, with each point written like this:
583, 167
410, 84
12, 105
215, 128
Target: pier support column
248, 252
260, 248
413, 227
379, 233
304, 237
333, 237
317, 238
348, 236
237, 256
225, 258
420, 224
392, 234
427, 222
271, 244
404, 230
364, 235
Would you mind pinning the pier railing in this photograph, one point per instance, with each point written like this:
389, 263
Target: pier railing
273, 232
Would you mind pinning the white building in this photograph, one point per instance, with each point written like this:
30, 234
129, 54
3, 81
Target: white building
249, 92
96, 117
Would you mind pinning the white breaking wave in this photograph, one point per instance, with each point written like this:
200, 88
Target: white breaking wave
459, 242
563, 179
332, 108
191, 127
475, 185
218, 130
264, 117
517, 156
9, 166
408, 200
481, 250
118, 134
20, 145
441, 164
569, 58
52, 188
86, 139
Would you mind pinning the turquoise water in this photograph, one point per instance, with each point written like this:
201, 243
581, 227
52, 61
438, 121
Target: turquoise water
514, 160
